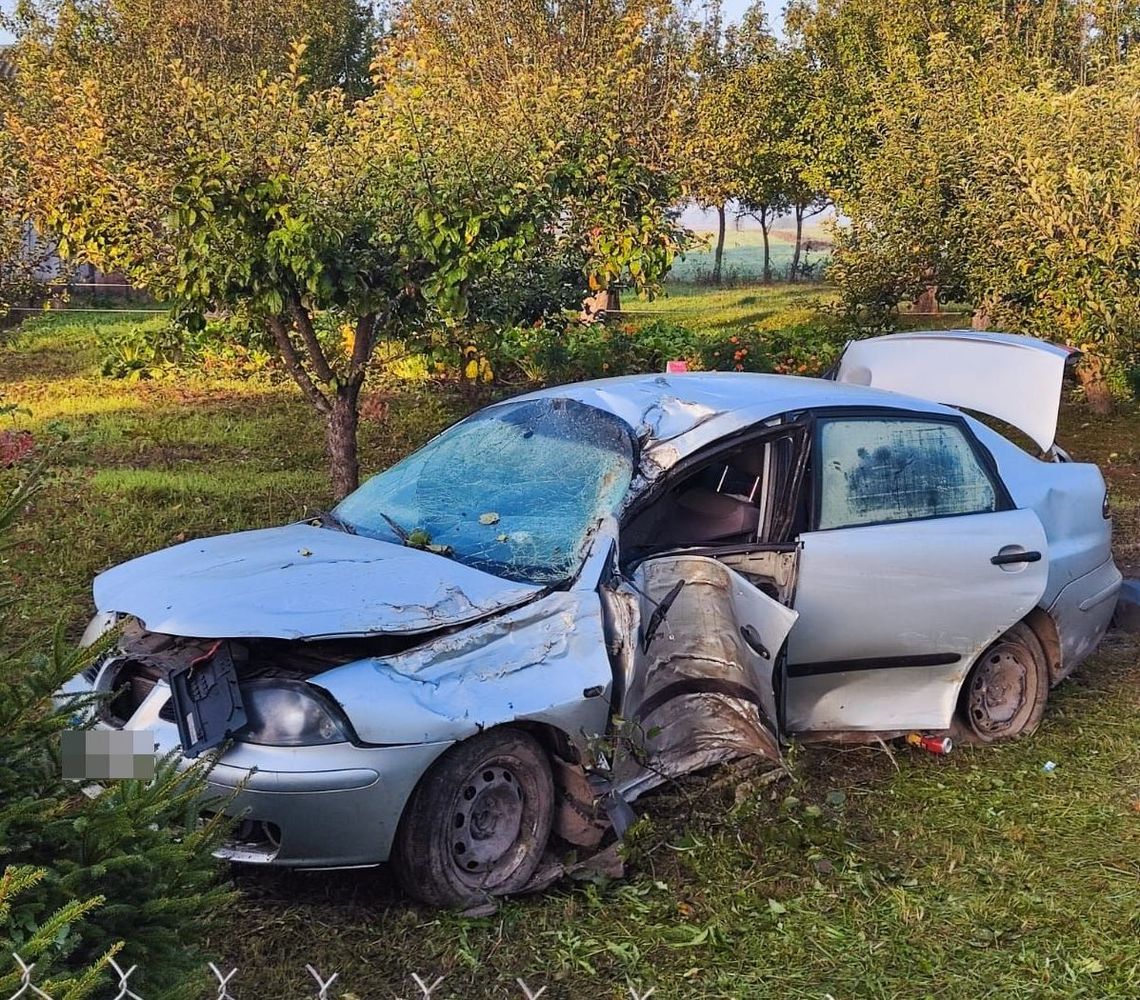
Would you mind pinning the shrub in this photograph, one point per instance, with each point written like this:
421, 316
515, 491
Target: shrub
575, 351
224, 348
91, 872
808, 348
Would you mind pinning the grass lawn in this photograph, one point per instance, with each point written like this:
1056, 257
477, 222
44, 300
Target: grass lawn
743, 260
864, 873
721, 309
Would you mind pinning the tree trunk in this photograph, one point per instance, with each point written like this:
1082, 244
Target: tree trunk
339, 401
719, 245
794, 270
1091, 375
341, 424
927, 302
765, 225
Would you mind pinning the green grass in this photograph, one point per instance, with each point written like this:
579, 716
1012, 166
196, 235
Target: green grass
722, 309
864, 873
743, 260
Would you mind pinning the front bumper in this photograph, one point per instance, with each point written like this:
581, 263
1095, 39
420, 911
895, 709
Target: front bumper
331, 806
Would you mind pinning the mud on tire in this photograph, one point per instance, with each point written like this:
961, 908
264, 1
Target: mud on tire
478, 821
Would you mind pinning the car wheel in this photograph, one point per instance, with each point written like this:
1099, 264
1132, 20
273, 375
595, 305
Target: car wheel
478, 821
1004, 695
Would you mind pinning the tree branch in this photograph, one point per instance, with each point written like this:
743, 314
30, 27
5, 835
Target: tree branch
304, 323
293, 363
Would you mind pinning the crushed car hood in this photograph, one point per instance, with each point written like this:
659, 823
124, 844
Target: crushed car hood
300, 582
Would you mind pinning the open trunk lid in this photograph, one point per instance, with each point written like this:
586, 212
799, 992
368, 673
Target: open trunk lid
1016, 379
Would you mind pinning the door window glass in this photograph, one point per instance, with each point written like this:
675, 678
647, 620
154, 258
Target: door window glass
881, 470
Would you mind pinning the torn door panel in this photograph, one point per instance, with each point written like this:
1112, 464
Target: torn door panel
701, 684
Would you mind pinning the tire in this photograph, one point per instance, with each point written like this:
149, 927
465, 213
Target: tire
477, 823
1005, 693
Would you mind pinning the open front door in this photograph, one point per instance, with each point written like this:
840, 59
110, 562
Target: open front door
700, 685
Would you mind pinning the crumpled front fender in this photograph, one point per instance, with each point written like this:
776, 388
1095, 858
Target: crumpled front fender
545, 663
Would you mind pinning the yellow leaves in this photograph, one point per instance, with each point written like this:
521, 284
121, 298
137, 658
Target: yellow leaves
348, 338
476, 366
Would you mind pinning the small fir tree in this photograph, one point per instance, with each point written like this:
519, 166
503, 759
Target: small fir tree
88, 873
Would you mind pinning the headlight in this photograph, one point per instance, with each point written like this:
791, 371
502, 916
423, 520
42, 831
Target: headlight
289, 714
98, 627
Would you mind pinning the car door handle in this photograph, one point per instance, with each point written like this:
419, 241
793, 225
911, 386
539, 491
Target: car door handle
749, 634
1006, 558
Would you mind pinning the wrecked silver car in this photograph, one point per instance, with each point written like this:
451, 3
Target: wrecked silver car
572, 596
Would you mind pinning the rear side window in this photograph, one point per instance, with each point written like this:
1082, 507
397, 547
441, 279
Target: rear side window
885, 469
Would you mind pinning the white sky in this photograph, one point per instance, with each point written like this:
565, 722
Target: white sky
735, 8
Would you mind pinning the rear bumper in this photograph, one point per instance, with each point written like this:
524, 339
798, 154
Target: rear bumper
1082, 611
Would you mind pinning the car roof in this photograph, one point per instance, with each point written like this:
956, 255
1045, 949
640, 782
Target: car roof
692, 409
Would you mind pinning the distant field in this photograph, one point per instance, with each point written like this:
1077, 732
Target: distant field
728, 310
744, 257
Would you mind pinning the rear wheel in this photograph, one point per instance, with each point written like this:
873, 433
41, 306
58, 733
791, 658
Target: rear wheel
478, 821
1005, 693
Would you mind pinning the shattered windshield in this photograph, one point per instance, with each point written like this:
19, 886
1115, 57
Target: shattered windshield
513, 490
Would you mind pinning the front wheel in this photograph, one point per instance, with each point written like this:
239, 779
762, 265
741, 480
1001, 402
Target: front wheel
478, 821
1005, 694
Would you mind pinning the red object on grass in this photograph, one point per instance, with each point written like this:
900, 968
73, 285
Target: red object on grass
940, 745
15, 446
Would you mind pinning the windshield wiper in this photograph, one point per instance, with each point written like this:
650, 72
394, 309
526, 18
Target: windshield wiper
400, 532
327, 519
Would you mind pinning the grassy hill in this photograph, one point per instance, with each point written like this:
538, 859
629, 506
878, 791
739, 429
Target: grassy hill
744, 256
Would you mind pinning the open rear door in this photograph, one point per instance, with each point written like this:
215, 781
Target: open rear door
701, 688
1016, 379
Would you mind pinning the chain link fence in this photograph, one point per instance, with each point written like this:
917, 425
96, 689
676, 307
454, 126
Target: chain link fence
424, 988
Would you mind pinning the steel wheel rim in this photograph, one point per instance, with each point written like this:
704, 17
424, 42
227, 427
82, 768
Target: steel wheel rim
999, 690
486, 823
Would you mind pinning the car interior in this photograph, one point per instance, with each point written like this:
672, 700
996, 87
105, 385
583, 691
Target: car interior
749, 495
